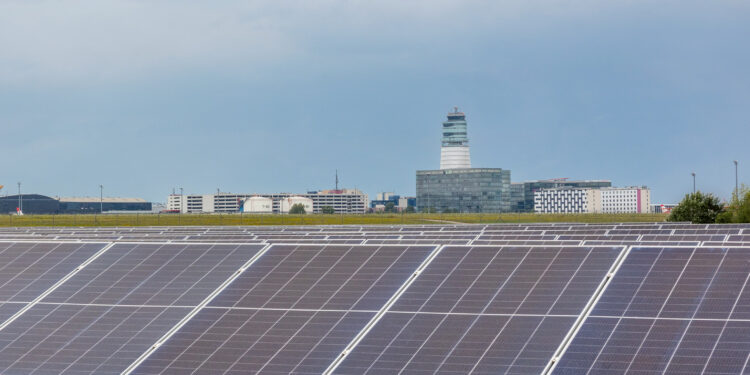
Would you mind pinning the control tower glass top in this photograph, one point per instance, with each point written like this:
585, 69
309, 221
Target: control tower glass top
454, 130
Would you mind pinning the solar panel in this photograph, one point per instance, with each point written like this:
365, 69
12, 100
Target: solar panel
28, 269
739, 237
487, 309
55, 339
673, 310
163, 274
684, 237
295, 309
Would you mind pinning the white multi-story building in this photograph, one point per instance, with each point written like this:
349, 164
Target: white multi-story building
632, 199
345, 201
564, 200
584, 200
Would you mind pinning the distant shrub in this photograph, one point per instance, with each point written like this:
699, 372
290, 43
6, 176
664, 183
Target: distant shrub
698, 208
297, 209
738, 210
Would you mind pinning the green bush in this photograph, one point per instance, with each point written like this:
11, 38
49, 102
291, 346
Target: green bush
328, 210
738, 210
698, 208
297, 209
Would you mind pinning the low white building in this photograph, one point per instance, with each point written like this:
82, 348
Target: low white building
631, 199
564, 200
610, 200
258, 205
345, 201
286, 204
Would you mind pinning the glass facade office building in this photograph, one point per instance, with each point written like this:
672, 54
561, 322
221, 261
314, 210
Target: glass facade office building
464, 190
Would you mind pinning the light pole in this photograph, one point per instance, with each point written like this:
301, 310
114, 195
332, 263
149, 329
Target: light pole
693, 173
101, 199
736, 183
20, 202
181, 198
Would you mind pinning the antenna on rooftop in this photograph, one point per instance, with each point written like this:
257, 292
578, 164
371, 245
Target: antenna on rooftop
455, 109
337, 179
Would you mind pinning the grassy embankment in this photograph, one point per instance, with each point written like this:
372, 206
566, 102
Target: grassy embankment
126, 220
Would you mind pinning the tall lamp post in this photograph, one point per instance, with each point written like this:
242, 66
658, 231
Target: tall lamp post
20, 202
736, 182
101, 199
693, 182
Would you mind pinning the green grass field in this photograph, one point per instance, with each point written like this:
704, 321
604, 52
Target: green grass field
126, 220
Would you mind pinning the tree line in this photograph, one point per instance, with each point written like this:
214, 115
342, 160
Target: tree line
706, 208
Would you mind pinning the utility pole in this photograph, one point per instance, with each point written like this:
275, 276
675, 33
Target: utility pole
337, 179
693, 173
20, 202
736, 183
101, 199
181, 198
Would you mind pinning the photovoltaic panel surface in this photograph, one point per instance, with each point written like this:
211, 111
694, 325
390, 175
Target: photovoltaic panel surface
340, 277
241, 341
156, 274
75, 339
294, 310
669, 310
484, 310
28, 269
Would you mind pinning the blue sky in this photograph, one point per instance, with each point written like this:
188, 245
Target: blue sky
270, 96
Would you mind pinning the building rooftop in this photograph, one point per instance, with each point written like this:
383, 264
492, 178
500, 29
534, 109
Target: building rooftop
105, 200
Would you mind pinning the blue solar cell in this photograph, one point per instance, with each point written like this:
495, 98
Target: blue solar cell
484, 309
671, 310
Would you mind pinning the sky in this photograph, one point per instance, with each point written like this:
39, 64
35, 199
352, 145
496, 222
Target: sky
275, 96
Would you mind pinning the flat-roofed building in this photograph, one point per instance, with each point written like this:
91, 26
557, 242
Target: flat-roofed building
463, 190
610, 200
524, 201
632, 199
565, 200
343, 201
84, 205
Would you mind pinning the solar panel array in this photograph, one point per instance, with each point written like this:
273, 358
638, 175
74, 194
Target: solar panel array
486, 299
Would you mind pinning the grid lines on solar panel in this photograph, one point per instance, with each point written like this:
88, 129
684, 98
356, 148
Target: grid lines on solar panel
155, 274
484, 310
28, 269
75, 339
668, 310
332, 277
294, 310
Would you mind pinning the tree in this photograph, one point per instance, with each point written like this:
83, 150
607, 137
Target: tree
410, 209
297, 209
389, 207
328, 210
739, 208
697, 208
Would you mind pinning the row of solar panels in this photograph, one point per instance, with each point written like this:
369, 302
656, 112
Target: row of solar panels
353, 309
668, 234
380, 228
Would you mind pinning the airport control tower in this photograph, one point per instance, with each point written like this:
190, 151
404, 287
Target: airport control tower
454, 152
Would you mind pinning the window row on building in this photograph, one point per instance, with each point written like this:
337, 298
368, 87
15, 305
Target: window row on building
345, 201
588, 200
